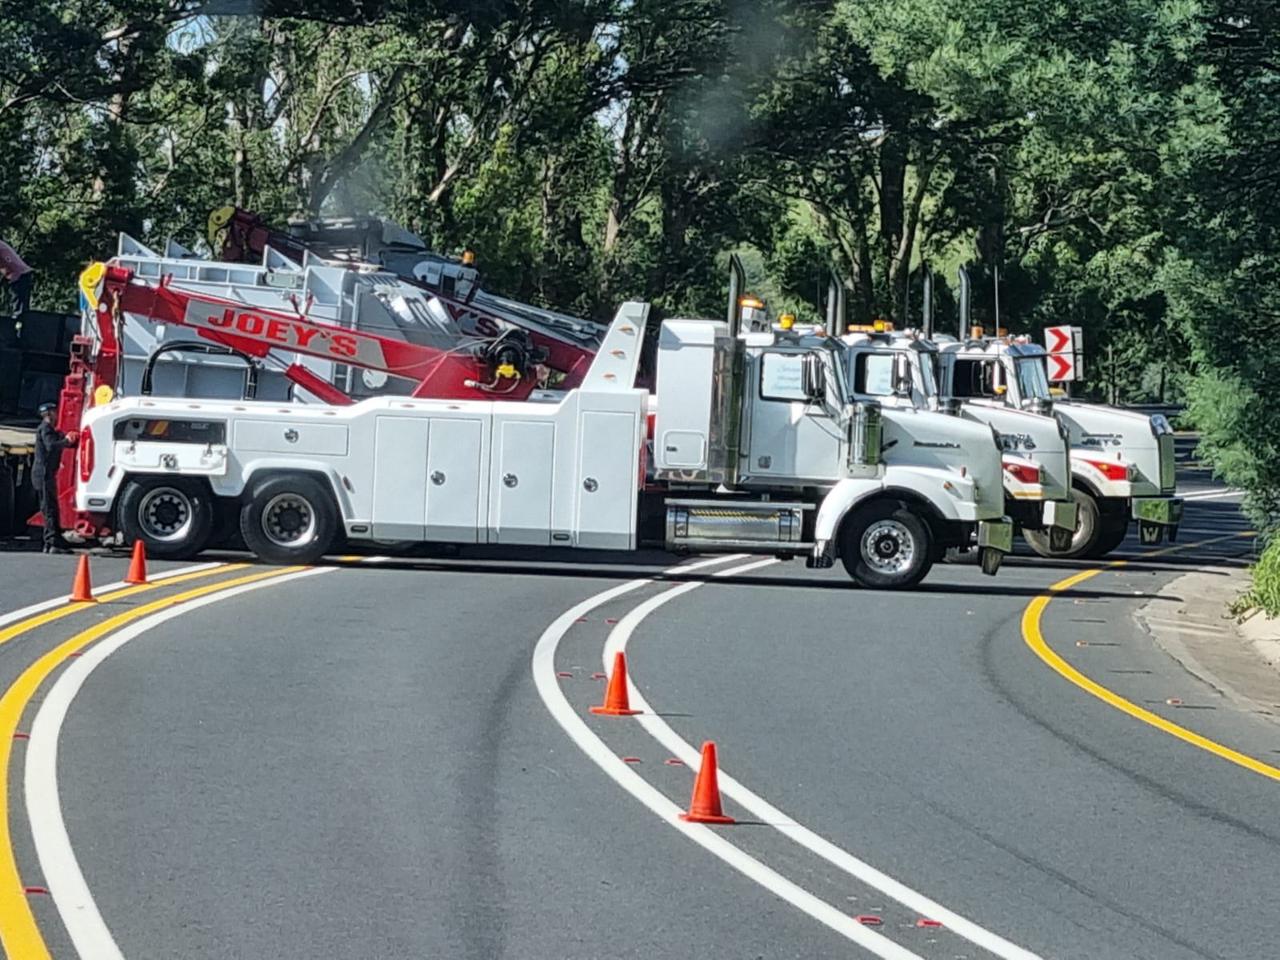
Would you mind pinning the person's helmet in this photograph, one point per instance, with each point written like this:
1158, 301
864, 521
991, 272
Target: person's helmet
46, 408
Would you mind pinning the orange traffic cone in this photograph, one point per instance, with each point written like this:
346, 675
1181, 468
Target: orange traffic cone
138, 565
81, 588
705, 805
616, 703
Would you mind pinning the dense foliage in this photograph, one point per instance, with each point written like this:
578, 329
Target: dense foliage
1114, 163
1265, 590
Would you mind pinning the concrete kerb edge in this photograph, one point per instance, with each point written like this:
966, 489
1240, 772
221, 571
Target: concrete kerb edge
1249, 644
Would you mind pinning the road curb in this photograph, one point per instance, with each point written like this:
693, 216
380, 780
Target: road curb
1239, 661
1263, 632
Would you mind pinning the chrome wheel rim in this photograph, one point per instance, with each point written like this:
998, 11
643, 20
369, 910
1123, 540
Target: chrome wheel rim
288, 520
888, 547
165, 515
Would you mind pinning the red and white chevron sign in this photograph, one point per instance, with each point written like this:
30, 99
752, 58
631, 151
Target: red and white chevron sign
1062, 366
1058, 339
1065, 345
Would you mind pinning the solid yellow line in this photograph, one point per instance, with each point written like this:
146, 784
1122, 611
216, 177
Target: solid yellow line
1034, 639
57, 613
19, 933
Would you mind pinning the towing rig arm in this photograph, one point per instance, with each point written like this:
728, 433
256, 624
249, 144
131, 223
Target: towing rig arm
243, 237
256, 331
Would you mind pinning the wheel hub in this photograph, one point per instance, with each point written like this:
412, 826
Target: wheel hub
288, 520
888, 547
165, 514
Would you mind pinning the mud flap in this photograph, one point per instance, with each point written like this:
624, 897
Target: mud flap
991, 558
1150, 534
1060, 539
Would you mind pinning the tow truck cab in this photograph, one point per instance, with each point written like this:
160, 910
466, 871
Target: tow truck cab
1122, 462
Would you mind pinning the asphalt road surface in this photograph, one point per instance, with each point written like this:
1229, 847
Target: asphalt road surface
396, 760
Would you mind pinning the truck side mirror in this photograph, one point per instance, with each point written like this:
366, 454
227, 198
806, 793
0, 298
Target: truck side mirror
901, 375
813, 378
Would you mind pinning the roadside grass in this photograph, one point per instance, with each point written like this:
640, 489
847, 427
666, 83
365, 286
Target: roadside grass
1265, 592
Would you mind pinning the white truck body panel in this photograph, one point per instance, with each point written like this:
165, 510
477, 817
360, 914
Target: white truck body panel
1102, 433
693, 403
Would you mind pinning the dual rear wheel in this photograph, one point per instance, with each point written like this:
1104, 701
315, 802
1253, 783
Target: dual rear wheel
288, 518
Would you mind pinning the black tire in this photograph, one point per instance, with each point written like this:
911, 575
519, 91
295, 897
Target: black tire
1086, 536
172, 516
1111, 534
886, 546
289, 519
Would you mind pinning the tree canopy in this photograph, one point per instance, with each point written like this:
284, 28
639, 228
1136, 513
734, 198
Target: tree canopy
1113, 164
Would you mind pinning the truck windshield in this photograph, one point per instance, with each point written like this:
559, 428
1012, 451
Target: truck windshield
870, 373
1033, 382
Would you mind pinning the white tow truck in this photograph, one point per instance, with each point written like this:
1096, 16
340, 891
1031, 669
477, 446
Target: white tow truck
1122, 462
900, 368
759, 445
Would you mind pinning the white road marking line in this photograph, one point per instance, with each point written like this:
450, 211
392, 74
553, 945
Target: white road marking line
1212, 494
767, 812
544, 678
88, 931
49, 604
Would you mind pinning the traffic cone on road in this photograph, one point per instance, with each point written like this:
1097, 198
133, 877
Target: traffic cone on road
81, 588
138, 565
616, 702
705, 805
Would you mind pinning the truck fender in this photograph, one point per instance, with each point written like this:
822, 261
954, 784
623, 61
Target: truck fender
842, 498
847, 494
235, 483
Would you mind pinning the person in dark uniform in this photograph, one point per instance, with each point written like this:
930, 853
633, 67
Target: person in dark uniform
44, 473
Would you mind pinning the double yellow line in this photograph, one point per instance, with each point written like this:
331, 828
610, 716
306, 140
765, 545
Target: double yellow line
1034, 638
19, 933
